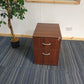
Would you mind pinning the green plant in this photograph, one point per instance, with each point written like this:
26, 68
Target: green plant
10, 9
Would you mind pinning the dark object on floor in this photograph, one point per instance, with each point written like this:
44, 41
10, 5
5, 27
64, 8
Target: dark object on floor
15, 44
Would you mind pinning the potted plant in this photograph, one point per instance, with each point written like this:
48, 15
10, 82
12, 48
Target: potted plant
10, 9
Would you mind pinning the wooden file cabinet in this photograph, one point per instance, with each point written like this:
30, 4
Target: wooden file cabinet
46, 44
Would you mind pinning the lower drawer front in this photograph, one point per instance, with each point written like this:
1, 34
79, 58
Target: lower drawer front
50, 58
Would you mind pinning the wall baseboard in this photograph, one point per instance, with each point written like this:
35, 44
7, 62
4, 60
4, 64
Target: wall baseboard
30, 36
16, 35
73, 38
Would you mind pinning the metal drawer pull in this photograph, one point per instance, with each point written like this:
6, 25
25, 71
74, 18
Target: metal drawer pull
46, 44
46, 54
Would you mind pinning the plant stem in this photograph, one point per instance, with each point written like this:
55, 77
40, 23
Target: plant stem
10, 27
9, 21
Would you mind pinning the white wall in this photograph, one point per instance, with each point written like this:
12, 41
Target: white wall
67, 15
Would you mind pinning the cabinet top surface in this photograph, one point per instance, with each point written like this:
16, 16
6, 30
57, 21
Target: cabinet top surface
47, 30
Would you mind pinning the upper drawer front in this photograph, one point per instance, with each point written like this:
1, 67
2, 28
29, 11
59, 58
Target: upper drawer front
48, 43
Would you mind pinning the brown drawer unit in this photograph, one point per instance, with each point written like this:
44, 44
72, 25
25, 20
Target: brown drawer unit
46, 44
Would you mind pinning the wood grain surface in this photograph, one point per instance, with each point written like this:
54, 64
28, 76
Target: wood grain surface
47, 30
46, 44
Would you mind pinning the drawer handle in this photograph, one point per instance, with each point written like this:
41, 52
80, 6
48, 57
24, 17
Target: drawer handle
46, 44
46, 54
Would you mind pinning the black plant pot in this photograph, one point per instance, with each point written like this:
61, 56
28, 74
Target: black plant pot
15, 44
